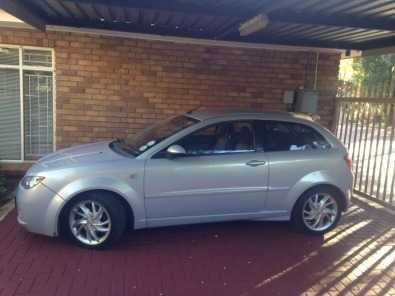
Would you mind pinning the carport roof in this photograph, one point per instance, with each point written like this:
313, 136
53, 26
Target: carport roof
352, 24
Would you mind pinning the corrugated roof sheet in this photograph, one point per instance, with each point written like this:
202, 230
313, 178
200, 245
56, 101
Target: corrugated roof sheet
359, 24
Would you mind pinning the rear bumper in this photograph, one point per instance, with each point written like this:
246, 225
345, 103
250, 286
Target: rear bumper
348, 189
348, 196
38, 209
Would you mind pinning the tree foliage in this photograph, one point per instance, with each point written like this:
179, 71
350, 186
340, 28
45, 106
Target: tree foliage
370, 75
374, 70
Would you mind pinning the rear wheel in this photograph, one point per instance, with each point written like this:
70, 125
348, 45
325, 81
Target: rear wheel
317, 211
95, 220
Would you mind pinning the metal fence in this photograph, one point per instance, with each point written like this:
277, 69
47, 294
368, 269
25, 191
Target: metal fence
366, 127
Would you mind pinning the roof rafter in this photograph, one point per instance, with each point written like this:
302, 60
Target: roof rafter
336, 21
168, 5
376, 43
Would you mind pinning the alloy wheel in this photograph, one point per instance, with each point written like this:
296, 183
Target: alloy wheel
320, 212
90, 222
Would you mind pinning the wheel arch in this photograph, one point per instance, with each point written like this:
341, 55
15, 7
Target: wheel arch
340, 193
128, 208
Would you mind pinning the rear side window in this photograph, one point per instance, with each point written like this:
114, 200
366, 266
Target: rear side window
288, 136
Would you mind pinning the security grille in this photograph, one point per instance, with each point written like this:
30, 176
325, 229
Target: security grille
42, 58
366, 126
38, 113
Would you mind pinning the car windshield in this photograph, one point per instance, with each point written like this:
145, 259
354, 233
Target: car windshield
153, 135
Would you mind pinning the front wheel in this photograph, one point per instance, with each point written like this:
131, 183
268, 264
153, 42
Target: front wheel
317, 211
95, 220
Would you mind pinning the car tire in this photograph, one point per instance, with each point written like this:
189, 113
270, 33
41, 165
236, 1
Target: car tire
95, 215
305, 214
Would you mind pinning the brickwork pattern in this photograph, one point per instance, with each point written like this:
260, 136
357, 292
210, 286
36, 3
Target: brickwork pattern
239, 258
110, 87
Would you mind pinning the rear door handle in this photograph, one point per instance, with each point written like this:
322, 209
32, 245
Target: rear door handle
255, 163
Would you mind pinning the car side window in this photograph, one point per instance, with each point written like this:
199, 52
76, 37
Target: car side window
222, 138
287, 136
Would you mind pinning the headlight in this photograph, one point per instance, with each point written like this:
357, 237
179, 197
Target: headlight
28, 182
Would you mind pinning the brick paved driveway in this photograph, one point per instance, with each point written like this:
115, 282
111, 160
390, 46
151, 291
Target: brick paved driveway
243, 258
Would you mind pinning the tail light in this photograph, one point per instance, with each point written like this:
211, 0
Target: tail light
348, 160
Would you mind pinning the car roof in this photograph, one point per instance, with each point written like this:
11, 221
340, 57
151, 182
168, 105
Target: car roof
229, 114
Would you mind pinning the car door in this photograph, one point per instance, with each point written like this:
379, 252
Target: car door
293, 150
221, 177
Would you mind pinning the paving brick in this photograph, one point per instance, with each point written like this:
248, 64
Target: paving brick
238, 258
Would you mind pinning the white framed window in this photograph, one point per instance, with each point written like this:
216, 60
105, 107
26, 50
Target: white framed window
26, 102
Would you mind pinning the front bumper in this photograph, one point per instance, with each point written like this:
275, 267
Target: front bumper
38, 209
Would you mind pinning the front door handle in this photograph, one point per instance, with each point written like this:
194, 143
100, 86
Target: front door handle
255, 163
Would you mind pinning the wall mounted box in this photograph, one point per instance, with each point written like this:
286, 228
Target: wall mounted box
306, 101
289, 97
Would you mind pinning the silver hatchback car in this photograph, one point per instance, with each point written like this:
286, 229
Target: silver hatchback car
203, 166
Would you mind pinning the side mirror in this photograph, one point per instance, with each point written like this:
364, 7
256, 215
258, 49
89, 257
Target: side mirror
176, 151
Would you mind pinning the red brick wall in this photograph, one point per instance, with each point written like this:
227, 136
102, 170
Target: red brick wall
109, 87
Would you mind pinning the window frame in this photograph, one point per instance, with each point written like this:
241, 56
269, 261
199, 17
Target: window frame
265, 121
158, 154
20, 67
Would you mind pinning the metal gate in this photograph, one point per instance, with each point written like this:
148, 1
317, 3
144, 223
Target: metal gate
366, 127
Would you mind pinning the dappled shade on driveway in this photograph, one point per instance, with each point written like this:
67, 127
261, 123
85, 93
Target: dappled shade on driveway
238, 258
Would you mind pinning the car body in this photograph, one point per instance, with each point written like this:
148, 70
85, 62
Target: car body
159, 183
